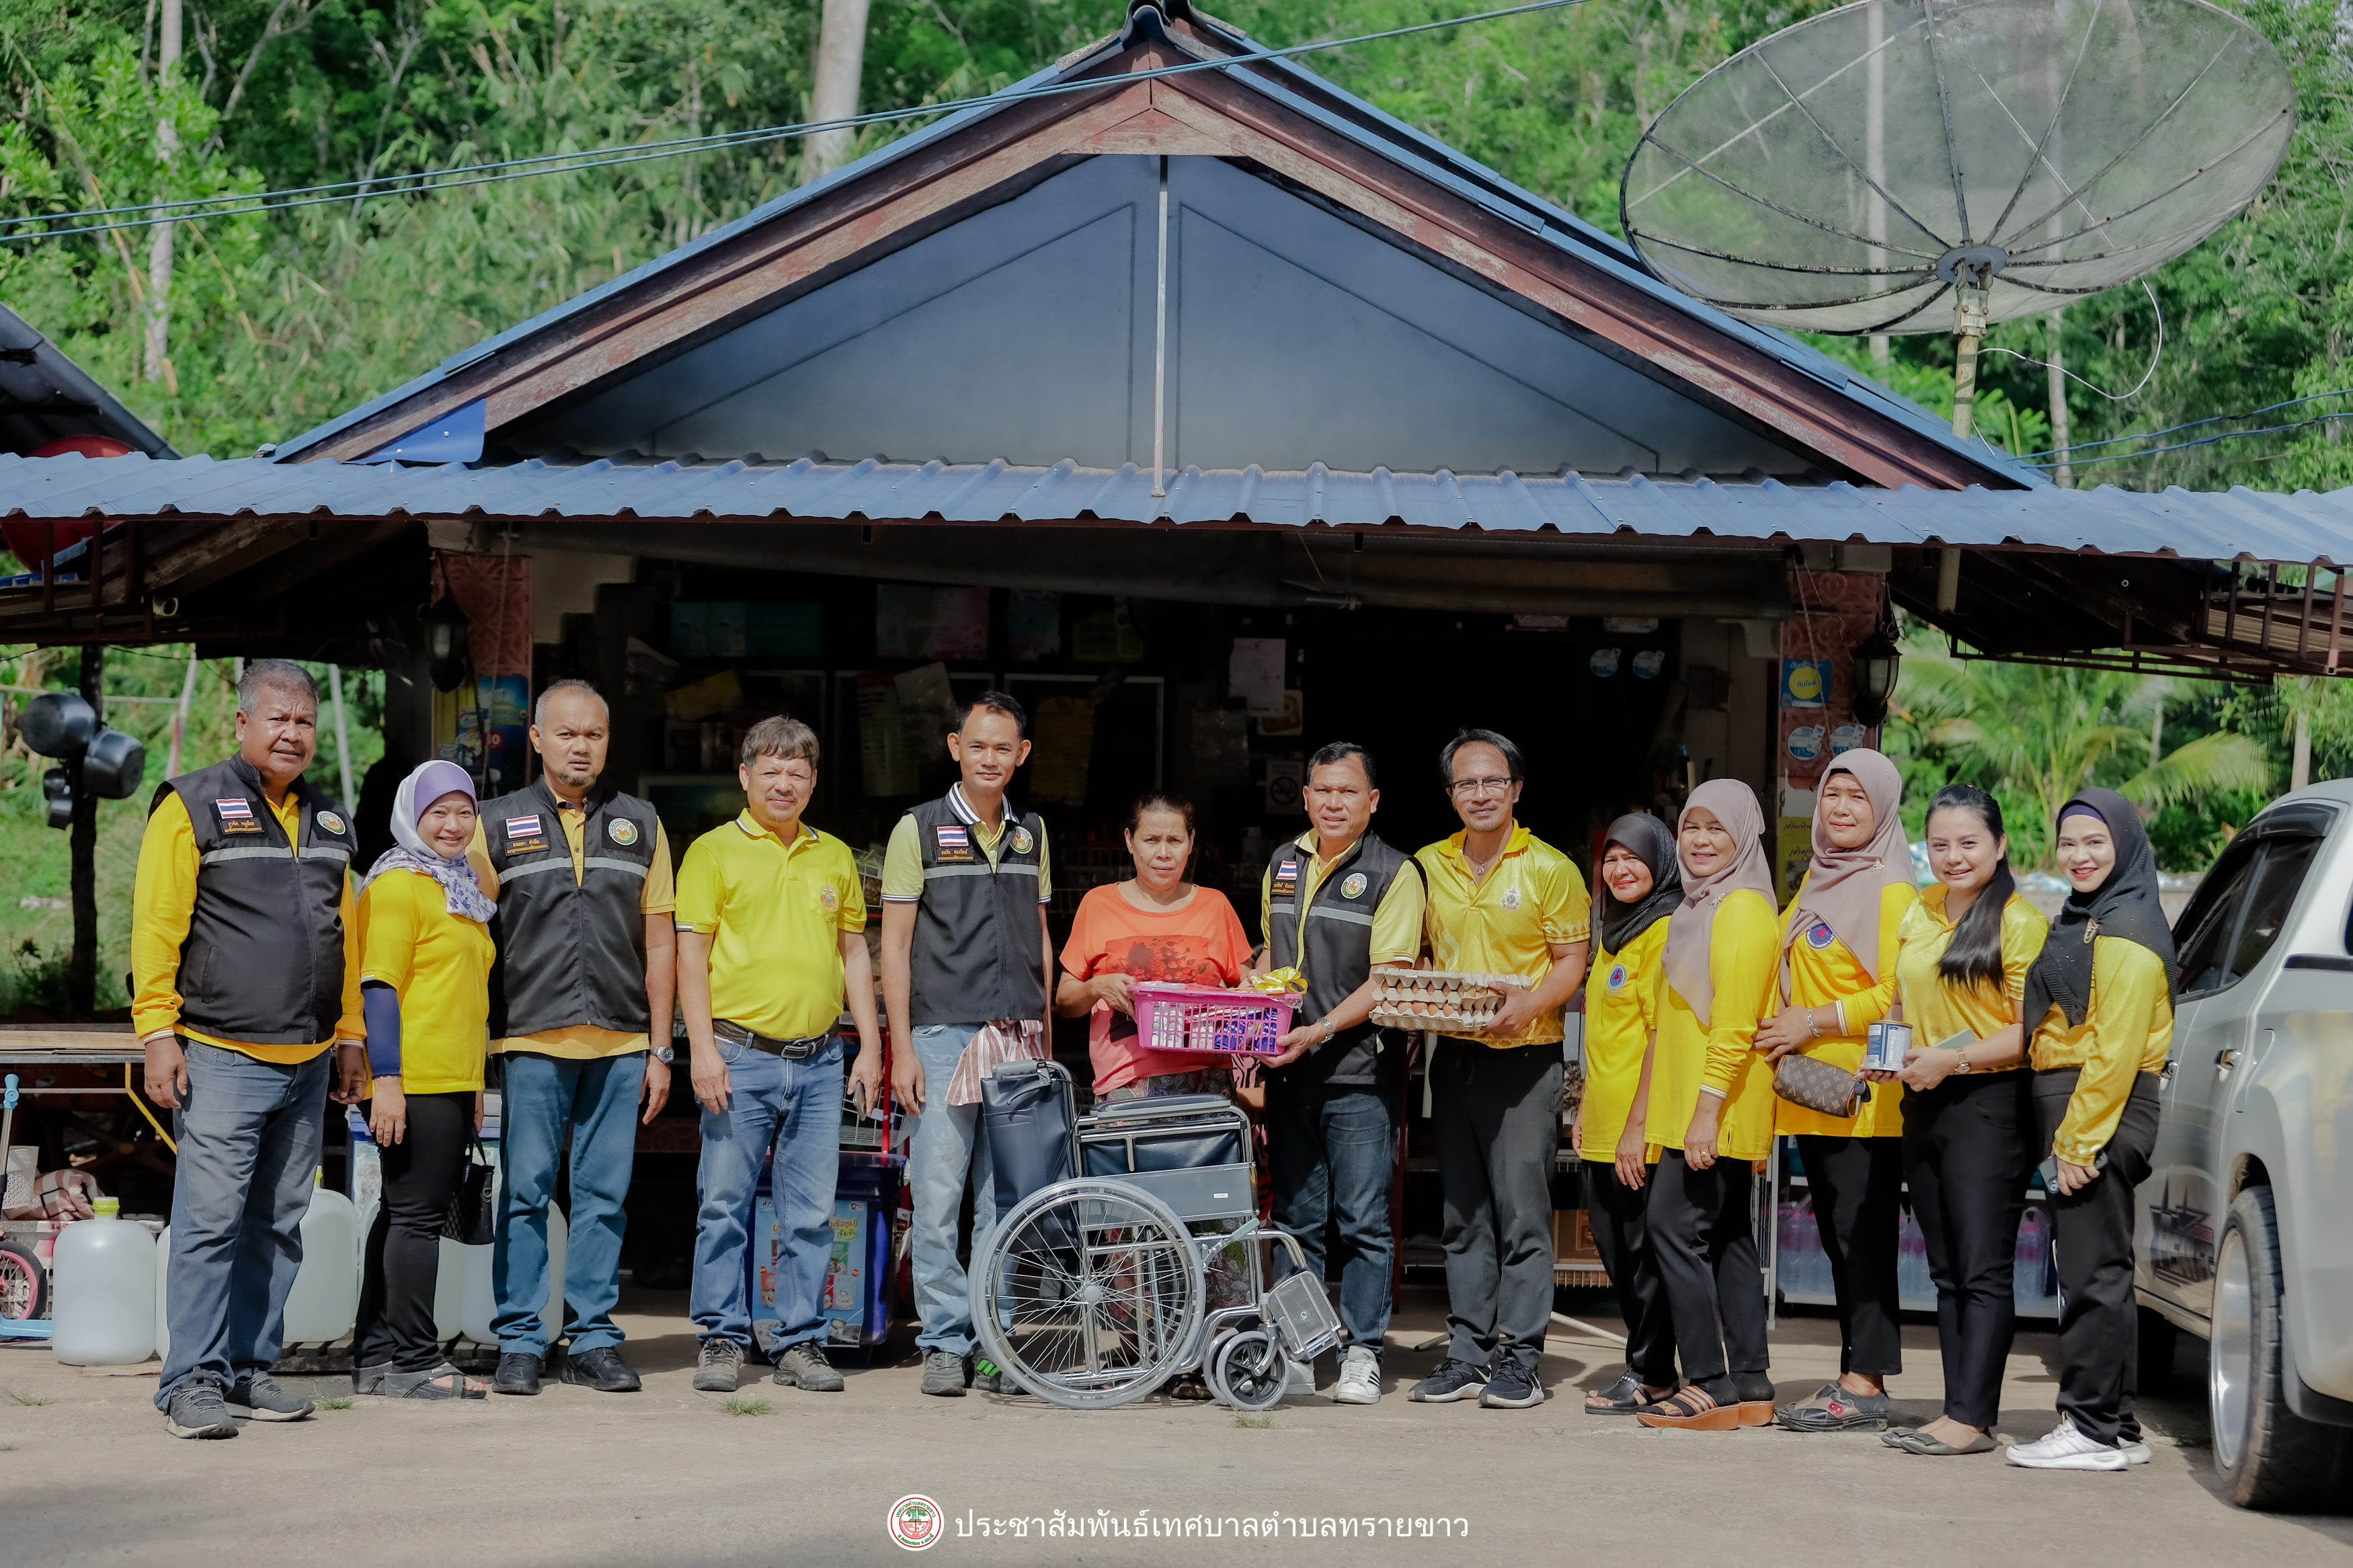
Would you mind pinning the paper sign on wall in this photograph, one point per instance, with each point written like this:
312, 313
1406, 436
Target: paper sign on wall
1254, 674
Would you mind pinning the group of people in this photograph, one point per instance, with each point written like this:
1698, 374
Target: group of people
545, 926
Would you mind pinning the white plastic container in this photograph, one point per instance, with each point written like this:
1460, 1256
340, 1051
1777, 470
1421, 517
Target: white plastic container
104, 1277
324, 1300
163, 1310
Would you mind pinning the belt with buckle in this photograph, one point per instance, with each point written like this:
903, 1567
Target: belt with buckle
791, 1050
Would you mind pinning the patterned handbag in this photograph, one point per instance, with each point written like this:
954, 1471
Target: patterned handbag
1820, 1086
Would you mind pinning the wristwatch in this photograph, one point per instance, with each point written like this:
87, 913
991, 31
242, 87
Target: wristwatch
1328, 1033
1960, 1059
664, 1055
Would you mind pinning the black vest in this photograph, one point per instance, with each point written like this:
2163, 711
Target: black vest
1335, 953
978, 952
570, 952
263, 962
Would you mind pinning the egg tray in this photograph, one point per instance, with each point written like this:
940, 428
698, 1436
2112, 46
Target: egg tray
1449, 1003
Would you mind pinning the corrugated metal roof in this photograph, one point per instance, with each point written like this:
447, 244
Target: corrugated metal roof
1412, 149
45, 396
2192, 525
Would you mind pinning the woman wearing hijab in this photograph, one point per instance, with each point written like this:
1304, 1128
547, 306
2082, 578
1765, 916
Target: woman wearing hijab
2100, 998
1969, 1112
1838, 978
425, 984
1641, 883
1710, 1112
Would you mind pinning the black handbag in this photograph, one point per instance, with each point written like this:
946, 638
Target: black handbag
1820, 1086
474, 1216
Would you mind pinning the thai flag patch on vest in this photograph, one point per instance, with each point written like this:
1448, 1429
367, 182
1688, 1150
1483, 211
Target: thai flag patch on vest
235, 816
522, 827
1286, 879
953, 842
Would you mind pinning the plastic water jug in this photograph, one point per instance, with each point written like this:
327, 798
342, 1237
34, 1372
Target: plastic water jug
324, 1300
481, 1306
162, 1312
2030, 1281
449, 1293
104, 1275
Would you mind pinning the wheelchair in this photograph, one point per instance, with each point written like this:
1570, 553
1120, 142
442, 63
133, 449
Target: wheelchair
1095, 1286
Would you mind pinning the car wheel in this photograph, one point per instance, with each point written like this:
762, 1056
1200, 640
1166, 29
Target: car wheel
2267, 1456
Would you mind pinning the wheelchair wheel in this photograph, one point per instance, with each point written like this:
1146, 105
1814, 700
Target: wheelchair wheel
1247, 1370
1090, 1295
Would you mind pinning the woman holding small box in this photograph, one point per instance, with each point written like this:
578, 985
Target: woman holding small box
1838, 978
1968, 1117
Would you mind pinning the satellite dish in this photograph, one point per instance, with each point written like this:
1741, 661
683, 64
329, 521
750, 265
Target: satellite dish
1937, 165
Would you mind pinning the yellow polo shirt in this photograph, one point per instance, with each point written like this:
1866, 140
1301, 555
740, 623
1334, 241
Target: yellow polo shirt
1621, 1009
1744, 965
1397, 919
1937, 1009
2127, 1031
1823, 970
440, 965
163, 906
776, 914
1532, 899
583, 1042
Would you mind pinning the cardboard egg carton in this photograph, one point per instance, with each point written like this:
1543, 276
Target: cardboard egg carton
1449, 1003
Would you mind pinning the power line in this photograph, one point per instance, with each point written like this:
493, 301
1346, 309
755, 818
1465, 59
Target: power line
2202, 441
249, 203
2192, 425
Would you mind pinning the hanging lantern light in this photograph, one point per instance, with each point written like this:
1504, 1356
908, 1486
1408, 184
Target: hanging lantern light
1877, 660
445, 643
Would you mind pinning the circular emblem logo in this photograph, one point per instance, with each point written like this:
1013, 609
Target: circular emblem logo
622, 831
828, 897
1022, 841
1512, 898
1616, 977
1354, 887
913, 1522
1821, 936
331, 822
1806, 681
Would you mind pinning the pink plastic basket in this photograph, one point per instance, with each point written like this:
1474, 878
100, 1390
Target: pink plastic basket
1209, 1022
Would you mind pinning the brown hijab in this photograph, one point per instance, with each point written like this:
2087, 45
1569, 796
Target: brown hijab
1842, 887
1692, 929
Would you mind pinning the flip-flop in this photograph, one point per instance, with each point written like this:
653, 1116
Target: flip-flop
1622, 1397
1921, 1443
1683, 1410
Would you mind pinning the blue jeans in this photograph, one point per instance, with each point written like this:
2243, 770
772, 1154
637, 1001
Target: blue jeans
793, 1107
948, 1146
249, 1139
1330, 1151
596, 1102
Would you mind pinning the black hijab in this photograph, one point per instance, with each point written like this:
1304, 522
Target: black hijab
1654, 842
2125, 906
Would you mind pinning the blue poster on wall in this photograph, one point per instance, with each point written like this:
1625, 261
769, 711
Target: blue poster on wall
1805, 682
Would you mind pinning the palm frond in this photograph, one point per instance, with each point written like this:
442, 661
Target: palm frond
2222, 761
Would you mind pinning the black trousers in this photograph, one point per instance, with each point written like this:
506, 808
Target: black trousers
1496, 1114
2092, 1230
1702, 1232
1969, 1146
1621, 1233
1857, 1185
402, 1255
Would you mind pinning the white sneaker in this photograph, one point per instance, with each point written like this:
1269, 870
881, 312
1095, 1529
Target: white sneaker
2067, 1449
2133, 1453
1302, 1380
1360, 1378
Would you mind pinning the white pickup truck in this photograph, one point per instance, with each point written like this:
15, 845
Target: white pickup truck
2245, 1224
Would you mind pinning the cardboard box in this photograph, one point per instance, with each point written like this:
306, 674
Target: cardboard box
1572, 1237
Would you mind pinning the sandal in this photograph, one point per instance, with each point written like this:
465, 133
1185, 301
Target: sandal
1921, 1443
1189, 1388
1625, 1396
444, 1382
1690, 1408
1842, 1412
370, 1379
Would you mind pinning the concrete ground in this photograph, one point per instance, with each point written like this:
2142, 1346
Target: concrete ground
573, 1478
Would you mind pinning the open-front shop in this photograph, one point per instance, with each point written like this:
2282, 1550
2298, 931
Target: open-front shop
1215, 416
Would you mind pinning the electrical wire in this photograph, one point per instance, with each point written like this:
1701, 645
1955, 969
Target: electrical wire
2194, 423
2070, 376
253, 203
2201, 441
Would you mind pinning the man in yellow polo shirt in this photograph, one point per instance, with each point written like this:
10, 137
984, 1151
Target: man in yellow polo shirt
580, 1009
771, 936
245, 964
1502, 901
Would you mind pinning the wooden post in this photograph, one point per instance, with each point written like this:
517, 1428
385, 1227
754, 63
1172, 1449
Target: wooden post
840, 60
81, 964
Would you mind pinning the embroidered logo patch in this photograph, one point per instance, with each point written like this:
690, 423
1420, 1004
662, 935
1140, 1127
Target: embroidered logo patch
828, 897
331, 822
1616, 977
1022, 841
1821, 936
1512, 898
1354, 887
953, 842
235, 816
1286, 879
523, 828
622, 831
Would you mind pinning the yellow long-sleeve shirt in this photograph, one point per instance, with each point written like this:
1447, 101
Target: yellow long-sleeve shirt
1744, 965
1621, 1009
440, 965
2127, 1031
1823, 970
163, 906
1936, 1009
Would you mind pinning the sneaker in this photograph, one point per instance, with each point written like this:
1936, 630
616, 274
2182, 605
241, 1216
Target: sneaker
1511, 1387
2134, 1452
1360, 1377
988, 1377
804, 1365
2067, 1449
1454, 1379
601, 1369
258, 1395
944, 1374
197, 1411
715, 1370
518, 1373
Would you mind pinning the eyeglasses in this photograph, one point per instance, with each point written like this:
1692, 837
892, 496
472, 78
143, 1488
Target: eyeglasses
1474, 789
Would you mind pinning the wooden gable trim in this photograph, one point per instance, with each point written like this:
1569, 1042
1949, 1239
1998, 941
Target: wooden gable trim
1200, 114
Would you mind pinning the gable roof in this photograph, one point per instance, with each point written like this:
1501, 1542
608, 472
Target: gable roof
1349, 156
